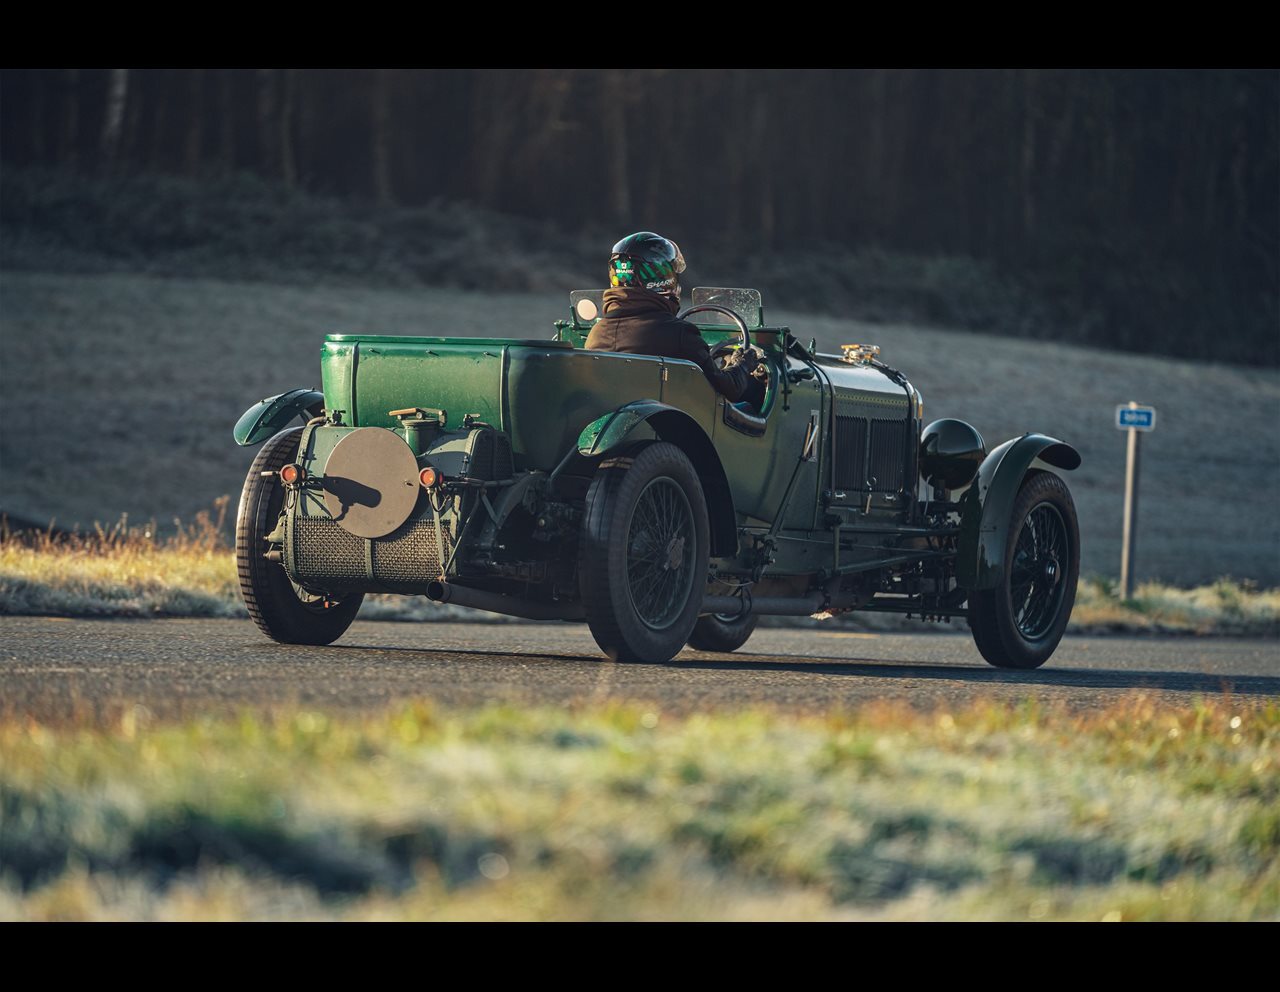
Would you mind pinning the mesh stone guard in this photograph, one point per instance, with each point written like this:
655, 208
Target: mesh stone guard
322, 554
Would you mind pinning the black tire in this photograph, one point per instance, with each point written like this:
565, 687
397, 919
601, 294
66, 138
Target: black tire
1020, 622
713, 633
281, 610
643, 554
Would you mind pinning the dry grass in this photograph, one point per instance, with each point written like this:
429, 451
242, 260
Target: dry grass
1134, 812
1224, 607
138, 571
122, 570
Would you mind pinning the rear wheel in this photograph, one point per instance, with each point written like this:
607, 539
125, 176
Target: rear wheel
722, 634
283, 610
644, 552
1020, 622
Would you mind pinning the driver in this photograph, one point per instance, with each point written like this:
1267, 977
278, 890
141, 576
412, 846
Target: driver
639, 311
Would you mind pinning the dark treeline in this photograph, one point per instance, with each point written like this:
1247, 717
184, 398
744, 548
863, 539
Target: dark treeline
1148, 199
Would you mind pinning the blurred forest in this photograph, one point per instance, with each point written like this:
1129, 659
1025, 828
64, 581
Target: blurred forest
1138, 209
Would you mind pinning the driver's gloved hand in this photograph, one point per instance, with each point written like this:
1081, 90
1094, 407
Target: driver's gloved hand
745, 358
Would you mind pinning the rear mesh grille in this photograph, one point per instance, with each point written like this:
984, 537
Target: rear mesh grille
325, 553
411, 555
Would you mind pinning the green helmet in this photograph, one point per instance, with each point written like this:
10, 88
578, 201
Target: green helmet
648, 260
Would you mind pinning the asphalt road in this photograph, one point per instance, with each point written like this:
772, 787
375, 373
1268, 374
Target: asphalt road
58, 669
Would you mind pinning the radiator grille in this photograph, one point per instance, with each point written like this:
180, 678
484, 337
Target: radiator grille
888, 454
851, 451
870, 446
324, 552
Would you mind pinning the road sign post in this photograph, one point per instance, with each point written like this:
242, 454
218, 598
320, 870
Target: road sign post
1136, 420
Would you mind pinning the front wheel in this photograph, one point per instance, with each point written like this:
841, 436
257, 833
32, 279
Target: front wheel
283, 611
644, 552
1019, 623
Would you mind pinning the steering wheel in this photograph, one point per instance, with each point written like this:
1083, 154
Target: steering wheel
733, 315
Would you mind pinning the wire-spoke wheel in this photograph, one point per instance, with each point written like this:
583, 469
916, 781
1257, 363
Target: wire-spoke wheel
1035, 580
1019, 623
643, 554
660, 547
282, 609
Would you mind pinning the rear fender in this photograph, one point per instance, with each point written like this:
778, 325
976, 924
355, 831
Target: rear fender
987, 504
638, 420
268, 418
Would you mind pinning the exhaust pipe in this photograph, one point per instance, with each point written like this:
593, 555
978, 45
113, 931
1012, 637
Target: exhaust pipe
725, 606
775, 606
447, 592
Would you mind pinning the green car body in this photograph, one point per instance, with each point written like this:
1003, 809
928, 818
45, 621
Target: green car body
813, 496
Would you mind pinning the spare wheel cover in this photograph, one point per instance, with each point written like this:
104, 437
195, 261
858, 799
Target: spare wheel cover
371, 482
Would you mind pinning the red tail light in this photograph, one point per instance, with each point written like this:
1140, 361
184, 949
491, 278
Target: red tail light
429, 478
292, 473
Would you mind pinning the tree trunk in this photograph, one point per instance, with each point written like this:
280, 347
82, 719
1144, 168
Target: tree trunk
193, 140
160, 100
268, 152
381, 116
288, 89
614, 117
874, 163
1027, 172
497, 108
113, 117
761, 152
69, 139
37, 111
1062, 133
226, 121
134, 115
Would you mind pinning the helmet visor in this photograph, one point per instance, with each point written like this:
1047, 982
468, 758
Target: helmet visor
678, 261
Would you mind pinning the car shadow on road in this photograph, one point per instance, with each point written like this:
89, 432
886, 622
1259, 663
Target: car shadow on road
520, 656
1246, 685
1189, 682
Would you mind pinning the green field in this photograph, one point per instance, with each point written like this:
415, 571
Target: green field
994, 812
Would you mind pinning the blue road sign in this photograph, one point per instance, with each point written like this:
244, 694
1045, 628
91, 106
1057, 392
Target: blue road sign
1136, 418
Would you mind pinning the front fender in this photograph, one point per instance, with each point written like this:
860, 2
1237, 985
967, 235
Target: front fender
673, 425
987, 505
266, 419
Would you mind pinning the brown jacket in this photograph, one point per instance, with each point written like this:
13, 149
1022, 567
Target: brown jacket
641, 322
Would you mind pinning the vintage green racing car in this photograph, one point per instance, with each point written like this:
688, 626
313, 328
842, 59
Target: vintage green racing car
539, 479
